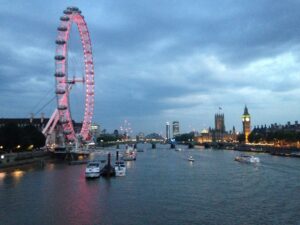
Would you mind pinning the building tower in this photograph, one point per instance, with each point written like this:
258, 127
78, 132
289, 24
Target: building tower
168, 130
175, 128
246, 119
219, 123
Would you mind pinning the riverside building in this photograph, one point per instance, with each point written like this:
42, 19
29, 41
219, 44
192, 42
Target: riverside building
175, 128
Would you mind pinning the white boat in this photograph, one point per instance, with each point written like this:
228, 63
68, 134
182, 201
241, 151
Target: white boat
92, 170
191, 159
129, 154
178, 149
120, 169
247, 159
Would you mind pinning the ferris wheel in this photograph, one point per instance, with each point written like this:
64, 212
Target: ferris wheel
63, 85
126, 129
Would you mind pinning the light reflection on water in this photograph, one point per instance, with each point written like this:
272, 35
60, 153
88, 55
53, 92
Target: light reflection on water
2, 176
129, 164
18, 174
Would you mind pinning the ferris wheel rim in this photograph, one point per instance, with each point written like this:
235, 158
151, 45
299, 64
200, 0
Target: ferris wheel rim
72, 15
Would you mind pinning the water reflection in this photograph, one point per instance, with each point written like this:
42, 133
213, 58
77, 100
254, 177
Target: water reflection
129, 164
18, 174
50, 166
11, 176
2, 176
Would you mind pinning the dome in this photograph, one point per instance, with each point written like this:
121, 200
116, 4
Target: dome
204, 131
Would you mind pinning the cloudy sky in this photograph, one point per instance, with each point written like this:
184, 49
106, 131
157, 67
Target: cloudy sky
159, 60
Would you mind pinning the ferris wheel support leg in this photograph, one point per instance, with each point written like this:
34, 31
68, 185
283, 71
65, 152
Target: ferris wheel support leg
50, 122
56, 118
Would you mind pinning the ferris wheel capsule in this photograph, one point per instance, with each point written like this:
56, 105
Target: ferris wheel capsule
62, 107
60, 91
67, 12
64, 18
60, 42
59, 74
59, 57
63, 29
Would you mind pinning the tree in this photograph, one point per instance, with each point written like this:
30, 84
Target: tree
184, 137
11, 136
106, 138
241, 138
33, 137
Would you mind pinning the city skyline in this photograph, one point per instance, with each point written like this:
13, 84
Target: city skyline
176, 62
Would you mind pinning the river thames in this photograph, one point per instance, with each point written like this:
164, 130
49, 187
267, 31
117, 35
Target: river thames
160, 187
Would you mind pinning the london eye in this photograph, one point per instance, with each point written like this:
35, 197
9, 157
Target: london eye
63, 84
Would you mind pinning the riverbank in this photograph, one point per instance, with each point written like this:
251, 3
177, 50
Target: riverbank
278, 151
8, 160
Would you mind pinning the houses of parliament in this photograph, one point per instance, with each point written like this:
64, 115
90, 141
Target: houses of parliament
219, 133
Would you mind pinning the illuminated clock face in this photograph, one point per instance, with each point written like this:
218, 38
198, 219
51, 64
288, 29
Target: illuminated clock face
247, 119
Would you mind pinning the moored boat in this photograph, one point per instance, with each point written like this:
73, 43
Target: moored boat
120, 169
92, 170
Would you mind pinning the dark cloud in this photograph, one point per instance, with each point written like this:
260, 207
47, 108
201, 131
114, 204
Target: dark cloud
158, 60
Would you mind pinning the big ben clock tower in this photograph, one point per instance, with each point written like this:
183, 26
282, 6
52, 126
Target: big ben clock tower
246, 123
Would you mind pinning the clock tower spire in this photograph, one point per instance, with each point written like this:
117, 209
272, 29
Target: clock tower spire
246, 119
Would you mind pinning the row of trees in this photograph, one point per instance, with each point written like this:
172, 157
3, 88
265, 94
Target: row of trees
14, 138
108, 138
187, 137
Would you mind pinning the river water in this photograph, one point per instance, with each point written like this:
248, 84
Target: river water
160, 187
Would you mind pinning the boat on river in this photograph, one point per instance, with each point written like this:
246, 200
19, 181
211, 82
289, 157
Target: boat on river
247, 159
191, 159
92, 170
120, 168
129, 154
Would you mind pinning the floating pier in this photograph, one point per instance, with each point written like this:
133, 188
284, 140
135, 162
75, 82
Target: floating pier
108, 170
